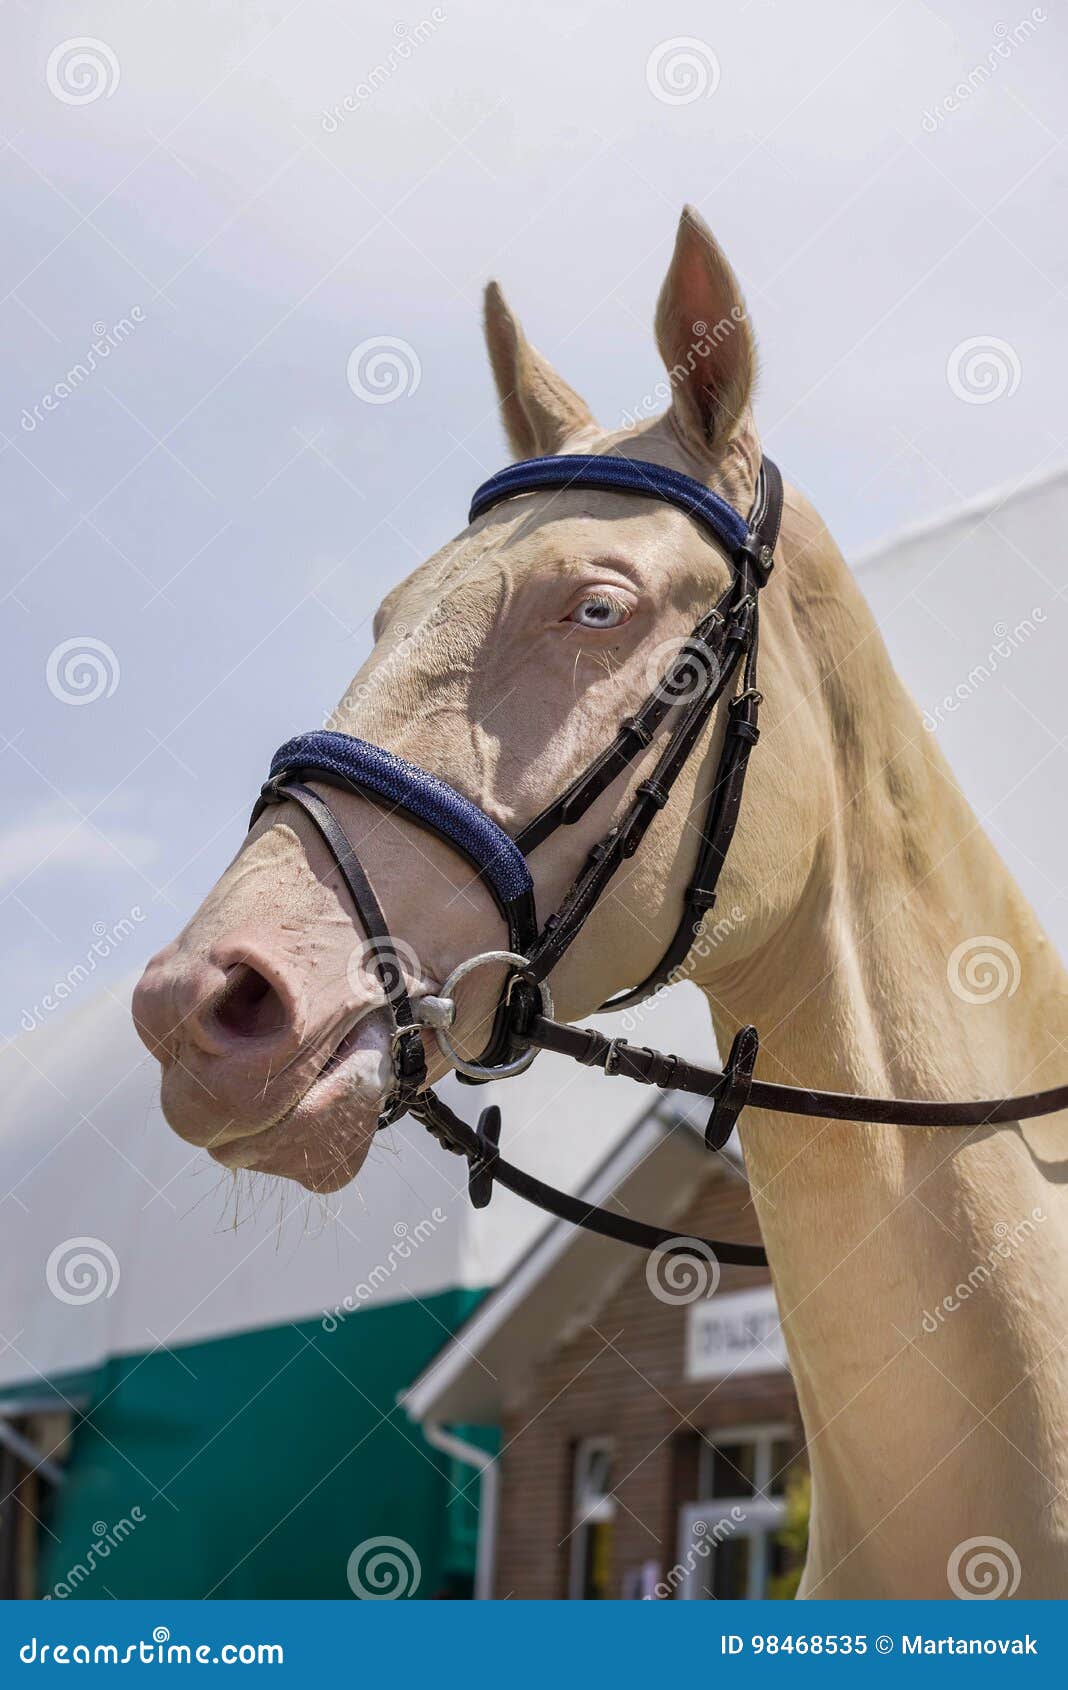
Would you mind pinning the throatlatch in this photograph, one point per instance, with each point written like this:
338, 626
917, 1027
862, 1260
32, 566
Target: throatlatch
706, 669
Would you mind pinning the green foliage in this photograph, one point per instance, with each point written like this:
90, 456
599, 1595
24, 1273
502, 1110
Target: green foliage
792, 1536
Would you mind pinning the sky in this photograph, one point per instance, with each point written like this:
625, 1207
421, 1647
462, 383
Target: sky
221, 212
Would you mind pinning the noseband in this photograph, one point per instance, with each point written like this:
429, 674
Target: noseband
720, 651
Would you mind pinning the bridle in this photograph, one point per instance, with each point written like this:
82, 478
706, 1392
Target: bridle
720, 650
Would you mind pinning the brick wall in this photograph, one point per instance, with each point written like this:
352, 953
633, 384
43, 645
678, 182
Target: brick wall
622, 1377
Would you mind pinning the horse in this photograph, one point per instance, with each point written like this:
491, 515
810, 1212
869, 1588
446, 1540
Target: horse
922, 1276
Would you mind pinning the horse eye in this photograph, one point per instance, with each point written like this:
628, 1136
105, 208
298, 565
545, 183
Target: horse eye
599, 610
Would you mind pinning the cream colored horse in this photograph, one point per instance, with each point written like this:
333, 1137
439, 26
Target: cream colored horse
923, 1276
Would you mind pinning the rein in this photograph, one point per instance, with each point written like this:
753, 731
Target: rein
721, 650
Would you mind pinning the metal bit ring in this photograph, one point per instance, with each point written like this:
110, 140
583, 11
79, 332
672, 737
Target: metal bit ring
479, 1070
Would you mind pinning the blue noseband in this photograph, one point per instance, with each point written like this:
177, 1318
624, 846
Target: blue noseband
343, 760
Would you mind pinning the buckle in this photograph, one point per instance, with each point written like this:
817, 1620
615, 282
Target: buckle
741, 618
612, 1055
758, 555
637, 730
657, 795
406, 1053
742, 718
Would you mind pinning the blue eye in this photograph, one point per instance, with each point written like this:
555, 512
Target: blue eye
600, 610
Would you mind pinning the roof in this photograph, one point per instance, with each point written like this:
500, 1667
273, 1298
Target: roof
1039, 485
568, 1273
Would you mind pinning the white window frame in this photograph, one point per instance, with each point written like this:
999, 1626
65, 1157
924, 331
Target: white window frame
698, 1521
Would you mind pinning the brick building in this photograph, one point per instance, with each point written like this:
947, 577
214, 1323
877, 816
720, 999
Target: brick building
648, 1432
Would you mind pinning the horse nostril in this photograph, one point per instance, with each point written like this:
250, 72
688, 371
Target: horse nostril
248, 1004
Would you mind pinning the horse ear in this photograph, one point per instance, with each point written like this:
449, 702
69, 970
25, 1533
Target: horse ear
702, 330
539, 411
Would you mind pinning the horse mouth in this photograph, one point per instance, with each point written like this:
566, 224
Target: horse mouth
322, 1139
348, 1043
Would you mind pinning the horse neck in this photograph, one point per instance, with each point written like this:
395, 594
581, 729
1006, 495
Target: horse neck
870, 1229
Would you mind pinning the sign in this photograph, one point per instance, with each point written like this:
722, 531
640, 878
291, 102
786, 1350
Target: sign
737, 1333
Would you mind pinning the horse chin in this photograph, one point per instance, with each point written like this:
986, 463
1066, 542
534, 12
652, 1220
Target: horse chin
323, 1139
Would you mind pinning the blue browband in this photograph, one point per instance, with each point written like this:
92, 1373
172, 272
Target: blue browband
624, 475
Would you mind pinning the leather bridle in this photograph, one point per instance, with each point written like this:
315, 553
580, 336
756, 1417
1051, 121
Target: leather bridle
720, 651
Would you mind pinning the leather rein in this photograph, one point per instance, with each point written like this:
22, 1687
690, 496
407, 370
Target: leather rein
720, 651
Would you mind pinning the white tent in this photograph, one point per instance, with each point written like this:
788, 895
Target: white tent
972, 608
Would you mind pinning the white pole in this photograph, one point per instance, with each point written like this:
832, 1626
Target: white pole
472, 1456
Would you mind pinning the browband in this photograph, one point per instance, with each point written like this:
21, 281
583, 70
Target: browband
626, 475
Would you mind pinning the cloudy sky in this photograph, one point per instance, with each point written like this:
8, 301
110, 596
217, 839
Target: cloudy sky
232, 201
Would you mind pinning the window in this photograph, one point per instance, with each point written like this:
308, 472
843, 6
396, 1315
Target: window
593, 1513
753, 1462
34, 1440
728, 1538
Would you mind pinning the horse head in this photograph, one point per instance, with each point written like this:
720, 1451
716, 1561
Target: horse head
503, 665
